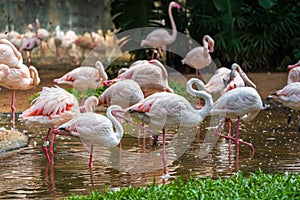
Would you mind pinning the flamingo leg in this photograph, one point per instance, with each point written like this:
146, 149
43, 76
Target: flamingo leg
91, 156
45, 145
237, 136
164, 156
13, 108
51, 148
216, 132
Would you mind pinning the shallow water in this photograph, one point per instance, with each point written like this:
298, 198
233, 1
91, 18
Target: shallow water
25, 173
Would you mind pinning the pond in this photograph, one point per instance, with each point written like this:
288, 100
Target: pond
25, 173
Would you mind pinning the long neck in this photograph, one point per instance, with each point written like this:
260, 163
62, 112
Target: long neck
118, 126
4, 71
90, 103
247, 81
101, 71
174, 30
202, 94
34, 75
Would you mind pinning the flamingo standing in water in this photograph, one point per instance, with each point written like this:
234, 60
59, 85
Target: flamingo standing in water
199, 57
225, 79
294, 73
53, 107
242, 103
161, 37
151, 75
124, 93
163, 109
289, 96
95, 129
84, 77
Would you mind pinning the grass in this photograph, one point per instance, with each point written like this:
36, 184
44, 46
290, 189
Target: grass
254, 186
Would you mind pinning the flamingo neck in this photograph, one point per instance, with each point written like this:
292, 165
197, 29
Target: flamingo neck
90, 103
34, 75
118, 126
173, 25
202, 113
102, 74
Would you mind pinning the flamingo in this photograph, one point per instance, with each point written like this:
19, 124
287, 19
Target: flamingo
58, 35
163, 109
151, 75
43, 35
199, 57
9, 55
29, 42
95, 129
124, 93
294, 73
53, 107
225, 79
242, 103
84, 77
20, 77
289, 96
160, 37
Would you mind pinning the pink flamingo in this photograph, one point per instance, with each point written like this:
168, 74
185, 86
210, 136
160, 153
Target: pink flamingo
161, 37
294, 73
84, 77
53, 107
30, 42
225, 79
124, 93
43, 35
23, 78
242, 103
199, 57
151, 75
163, 109
95, 129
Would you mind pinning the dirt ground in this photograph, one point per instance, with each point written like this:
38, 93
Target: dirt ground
266, 84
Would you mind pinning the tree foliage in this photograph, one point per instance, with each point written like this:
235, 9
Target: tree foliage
259, 35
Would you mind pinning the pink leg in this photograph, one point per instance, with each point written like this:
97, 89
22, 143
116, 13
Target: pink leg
164, 156
13, 108
216, 132
51, 148
91, 156
237, 136
46, 143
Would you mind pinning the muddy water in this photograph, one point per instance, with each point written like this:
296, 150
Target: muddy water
25, 173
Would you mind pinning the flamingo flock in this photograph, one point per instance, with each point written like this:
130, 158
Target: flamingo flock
141, 91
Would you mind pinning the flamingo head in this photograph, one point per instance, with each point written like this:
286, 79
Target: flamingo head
175, 5
294, 65
109, 83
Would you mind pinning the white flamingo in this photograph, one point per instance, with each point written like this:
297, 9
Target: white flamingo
163, 109
95, 129
84, 77
242, 103
294, 73
161, 37
199, 57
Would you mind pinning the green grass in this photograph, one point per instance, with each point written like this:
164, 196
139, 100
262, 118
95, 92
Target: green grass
253, 186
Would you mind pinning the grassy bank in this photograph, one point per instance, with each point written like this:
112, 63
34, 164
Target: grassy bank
254, 186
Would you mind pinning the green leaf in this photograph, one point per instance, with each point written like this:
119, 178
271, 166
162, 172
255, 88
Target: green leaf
266, 4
